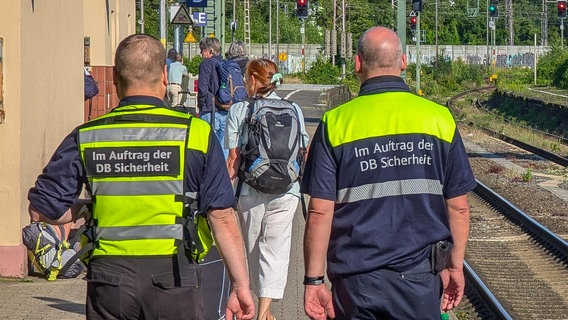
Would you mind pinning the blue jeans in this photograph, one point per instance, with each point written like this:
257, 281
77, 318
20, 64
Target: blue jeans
218, 127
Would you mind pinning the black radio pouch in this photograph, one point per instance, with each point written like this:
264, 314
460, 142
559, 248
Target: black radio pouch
439, 256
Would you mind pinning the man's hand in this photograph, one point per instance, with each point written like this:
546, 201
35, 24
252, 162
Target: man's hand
240, 305
453, 282
317, 302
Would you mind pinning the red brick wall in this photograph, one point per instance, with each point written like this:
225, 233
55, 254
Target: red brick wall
107, 98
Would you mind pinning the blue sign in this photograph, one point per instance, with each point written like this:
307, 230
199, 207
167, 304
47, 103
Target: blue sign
200, 19
197, 3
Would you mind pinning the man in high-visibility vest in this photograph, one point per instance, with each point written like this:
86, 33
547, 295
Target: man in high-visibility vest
388, 177
149, 171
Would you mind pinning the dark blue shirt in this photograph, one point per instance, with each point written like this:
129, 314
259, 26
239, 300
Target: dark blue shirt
388, 159
207, 83
63, 178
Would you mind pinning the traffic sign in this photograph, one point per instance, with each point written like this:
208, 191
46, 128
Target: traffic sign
282, 56
182, 17
199, 19
197, 3
190, 38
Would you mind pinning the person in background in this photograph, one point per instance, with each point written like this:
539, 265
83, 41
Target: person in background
170, 58
207, 86
388, 177
175, 75
237, 52
265, 219
142, 164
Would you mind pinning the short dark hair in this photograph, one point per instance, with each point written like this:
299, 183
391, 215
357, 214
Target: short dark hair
139, 58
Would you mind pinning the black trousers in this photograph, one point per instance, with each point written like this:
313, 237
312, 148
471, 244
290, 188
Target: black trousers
143, 288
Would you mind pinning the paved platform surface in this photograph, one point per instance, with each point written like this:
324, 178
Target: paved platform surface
35, 298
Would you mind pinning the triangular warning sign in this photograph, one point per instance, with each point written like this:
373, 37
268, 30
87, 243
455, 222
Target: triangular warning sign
189, 38
182, 17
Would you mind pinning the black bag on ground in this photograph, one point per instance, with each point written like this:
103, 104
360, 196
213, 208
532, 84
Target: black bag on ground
272, 159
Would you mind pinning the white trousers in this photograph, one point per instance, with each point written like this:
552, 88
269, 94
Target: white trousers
266, 223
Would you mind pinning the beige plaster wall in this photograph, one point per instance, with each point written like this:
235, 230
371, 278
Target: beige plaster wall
43, 94
10, 184
107, 26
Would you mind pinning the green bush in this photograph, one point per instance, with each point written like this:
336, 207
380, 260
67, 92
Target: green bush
552, 66
515, 76
323, 72
446, 78
193, 65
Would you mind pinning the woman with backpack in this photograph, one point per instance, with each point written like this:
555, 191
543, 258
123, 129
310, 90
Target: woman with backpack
266, 207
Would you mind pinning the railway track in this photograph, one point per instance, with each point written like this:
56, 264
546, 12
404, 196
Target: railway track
516, 268
521, 263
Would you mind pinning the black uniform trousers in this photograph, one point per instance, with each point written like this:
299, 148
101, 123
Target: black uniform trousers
143, 288
388, 294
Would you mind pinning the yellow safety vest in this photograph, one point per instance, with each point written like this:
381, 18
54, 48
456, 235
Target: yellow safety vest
135, 162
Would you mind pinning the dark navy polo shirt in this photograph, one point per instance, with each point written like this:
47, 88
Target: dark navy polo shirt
388, 159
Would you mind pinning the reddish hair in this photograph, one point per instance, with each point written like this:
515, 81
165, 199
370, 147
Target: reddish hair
262, 70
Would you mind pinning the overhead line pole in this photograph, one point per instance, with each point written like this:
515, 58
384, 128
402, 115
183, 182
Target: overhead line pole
401, 27
418, 52
141, 16
163, 28
270, 30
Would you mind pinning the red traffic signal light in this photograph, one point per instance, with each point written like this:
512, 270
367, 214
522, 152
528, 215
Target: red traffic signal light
413, 23
302, 9
561, 9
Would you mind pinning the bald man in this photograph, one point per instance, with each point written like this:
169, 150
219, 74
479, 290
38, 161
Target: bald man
143, 164
388, 177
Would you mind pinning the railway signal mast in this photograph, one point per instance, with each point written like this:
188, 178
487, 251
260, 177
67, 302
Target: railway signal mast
493, 15
561, 4
417, 6
302, 14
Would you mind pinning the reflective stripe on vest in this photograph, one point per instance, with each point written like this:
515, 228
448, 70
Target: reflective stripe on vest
135, 162
390, 188
140, 232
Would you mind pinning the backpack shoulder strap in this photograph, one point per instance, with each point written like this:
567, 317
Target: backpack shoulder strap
51, 230
251, 106
219, 66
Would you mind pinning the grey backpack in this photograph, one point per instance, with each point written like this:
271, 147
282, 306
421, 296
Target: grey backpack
272, 158
48, 253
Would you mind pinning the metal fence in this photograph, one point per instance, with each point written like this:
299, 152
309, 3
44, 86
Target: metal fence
505, 56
